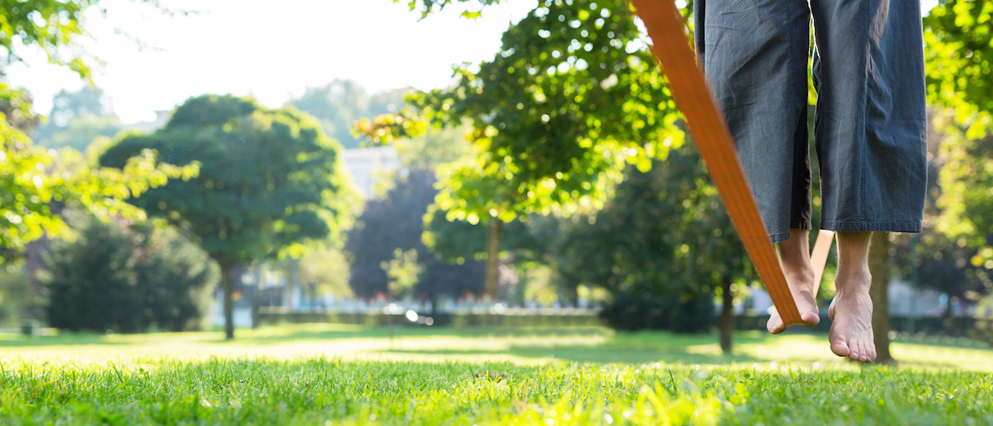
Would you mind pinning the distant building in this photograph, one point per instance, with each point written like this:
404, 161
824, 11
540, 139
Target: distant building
369, 166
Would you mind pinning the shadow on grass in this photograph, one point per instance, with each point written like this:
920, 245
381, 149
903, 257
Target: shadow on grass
68, 339
358, 332
589, 354
306, 332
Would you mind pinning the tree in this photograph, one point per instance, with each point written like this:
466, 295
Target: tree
81, 131
960, 46
127, 279
76, 118
271, 181
663, 236
324, 270
35, 184
879, 267
527, 241
402, 272
397, 223
54, 26
572, 97
341, 102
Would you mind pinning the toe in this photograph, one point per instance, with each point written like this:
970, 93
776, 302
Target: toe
775, 324
840, 347
853, 350
810, 319
863, 353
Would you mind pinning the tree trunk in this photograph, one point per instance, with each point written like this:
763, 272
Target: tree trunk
726, 319
492, 280
257, 295
879, 267
227, 284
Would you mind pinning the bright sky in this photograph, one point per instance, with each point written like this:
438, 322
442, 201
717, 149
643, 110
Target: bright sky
271, 50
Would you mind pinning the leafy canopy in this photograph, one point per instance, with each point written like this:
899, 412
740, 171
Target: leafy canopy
270, 180
572, 97
54, 26
959, 37
35, 184
664, 234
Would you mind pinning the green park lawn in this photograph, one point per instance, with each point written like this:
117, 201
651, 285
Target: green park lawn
334, 374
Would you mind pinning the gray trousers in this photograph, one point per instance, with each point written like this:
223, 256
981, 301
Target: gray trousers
870, 125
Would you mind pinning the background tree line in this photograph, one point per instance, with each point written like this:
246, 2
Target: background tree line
569, 128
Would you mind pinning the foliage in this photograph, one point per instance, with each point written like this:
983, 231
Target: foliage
402, 271
66, 106
959, 39
51, 25
427, 7
571, 98
396, 222
664, 234
18, 300
127, 279
434, 148
629, 312
341, 102
967, 192
270, 179
15, 105
272, 182
76, 118
453, 240
81, 131
35, 184
325, 270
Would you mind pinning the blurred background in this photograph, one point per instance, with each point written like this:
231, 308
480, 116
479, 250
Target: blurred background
218, 165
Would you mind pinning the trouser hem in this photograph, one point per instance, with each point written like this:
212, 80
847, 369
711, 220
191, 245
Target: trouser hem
913, 226
781, 237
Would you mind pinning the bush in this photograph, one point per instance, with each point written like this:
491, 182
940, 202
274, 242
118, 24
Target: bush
128, 279
630, 313
18, 300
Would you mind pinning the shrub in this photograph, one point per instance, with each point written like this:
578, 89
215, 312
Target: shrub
128, 279
629, 312
18, 300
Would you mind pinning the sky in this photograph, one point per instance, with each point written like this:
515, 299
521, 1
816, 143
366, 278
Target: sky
267, 49
270, 50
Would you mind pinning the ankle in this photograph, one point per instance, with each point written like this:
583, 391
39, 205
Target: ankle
853, 283
800, 274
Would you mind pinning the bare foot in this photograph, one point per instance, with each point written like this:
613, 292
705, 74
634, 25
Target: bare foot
851, 318
801, 284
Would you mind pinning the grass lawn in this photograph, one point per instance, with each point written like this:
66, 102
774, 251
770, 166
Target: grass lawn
328, 374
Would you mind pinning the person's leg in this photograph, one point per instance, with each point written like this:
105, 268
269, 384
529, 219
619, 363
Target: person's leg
794, 256
851, 310
755, 53
870, 123
871, 134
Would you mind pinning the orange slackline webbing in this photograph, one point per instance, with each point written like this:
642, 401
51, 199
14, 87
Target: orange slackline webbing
713, 139
818, 259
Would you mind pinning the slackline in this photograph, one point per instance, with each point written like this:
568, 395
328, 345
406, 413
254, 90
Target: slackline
689, 88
